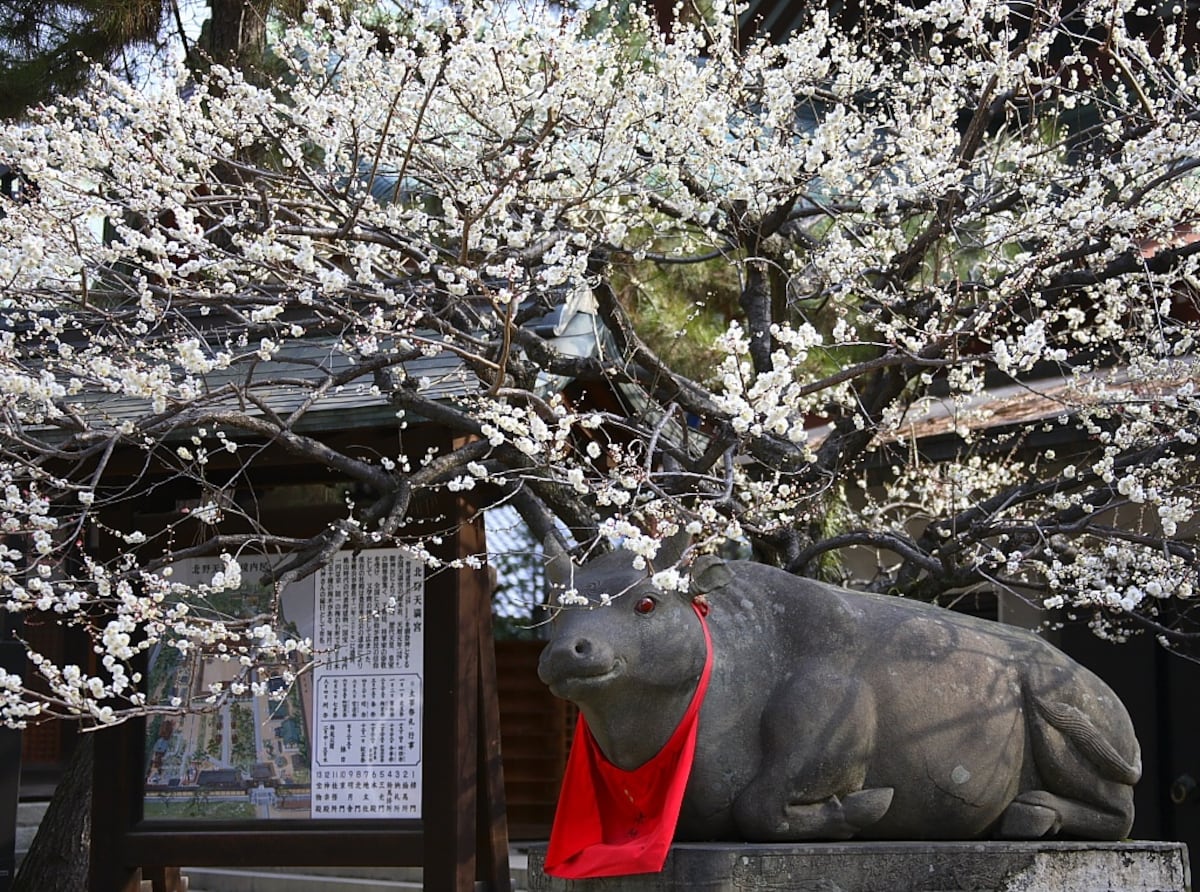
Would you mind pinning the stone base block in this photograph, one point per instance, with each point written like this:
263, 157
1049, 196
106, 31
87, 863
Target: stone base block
899, 866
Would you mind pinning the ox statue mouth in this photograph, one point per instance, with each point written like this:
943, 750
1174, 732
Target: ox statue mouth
568, 685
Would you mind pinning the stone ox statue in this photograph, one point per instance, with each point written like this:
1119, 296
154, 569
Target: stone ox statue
834, 714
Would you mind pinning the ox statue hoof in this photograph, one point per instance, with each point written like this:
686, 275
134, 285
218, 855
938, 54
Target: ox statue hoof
1023, 820
835, 818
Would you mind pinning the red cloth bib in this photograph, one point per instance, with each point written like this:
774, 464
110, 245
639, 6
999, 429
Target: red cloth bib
612, 822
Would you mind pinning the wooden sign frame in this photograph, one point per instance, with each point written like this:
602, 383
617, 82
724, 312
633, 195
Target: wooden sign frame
461, 841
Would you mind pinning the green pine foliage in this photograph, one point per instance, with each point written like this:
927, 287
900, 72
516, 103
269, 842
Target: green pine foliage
47, 49
678, 309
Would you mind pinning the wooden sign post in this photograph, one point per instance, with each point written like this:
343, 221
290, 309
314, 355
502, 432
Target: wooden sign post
460, 840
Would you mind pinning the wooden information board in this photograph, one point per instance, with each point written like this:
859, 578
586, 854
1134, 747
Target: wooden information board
403, 743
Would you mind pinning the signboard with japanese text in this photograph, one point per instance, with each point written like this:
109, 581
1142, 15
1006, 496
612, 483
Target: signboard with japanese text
367, 680
343, 740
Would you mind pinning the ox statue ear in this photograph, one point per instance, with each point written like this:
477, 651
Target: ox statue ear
709, 573
558, 562
671, 550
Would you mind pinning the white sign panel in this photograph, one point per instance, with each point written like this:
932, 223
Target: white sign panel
367, 686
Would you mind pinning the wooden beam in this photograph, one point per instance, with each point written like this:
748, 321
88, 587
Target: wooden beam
251, 844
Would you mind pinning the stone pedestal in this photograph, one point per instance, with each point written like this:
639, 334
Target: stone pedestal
900, 867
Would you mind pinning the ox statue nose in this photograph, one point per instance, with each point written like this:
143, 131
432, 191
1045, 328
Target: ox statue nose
575, 657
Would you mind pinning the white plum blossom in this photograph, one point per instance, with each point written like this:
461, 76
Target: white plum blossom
941, 302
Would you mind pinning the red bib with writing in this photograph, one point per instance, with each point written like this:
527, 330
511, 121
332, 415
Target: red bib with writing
612, 822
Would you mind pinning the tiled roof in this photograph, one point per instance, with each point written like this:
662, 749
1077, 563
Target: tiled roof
297, 374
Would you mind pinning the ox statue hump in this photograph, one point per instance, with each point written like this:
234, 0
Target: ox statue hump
834, 714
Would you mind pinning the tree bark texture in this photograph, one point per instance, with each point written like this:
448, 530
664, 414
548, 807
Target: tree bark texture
238, 31
58, 857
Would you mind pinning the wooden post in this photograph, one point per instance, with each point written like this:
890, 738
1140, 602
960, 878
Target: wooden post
493, 866
452, 702
472, 844
165, 879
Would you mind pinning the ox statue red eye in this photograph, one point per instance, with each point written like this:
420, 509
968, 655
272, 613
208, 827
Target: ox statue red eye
645, 605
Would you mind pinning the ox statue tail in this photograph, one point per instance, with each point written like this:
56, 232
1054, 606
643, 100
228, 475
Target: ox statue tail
1094, 745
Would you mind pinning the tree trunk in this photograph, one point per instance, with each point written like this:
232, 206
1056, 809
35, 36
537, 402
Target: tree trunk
58, 857
238, 31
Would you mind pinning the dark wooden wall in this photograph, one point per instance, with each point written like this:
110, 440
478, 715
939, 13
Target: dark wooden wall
535, 734
1162, 692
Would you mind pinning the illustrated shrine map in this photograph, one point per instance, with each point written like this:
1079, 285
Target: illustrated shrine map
342, 741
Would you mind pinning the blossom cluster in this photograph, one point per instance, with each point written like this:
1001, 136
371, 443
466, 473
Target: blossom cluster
951, 250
